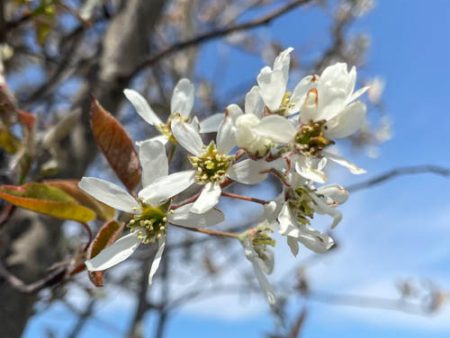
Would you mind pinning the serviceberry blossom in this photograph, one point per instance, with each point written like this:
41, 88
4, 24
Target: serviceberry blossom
181, 105
151, 211
253, 131
299, 203
257, 243
213, 163
330, 111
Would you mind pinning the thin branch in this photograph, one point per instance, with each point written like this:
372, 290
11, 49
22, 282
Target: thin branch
136, 326
83, 318
391, 174
244, 198
215, 34
50, 279
367, 302
210, 232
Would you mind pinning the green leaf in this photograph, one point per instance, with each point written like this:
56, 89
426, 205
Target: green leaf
46, 200
70, 186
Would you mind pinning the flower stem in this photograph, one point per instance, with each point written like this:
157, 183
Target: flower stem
244, 198
210, 232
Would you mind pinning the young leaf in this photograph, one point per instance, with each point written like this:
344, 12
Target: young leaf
107, 235
47, 200
103, 211
116, 145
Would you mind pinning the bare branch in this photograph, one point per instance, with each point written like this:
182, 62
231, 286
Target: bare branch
391, 174
215, 34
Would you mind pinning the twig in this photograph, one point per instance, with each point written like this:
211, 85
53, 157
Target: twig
135, 329
215, 34
210, 232
244, 198
50, 279
410, 170
366, 302
83, 318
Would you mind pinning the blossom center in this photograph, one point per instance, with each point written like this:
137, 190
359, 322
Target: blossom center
151, 224
210, 165
301, 204
260, 241
310, 138
285, 104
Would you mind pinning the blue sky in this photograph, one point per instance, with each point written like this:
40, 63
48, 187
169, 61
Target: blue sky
395, 231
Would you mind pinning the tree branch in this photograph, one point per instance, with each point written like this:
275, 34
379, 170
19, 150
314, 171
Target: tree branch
391, 174
215, 34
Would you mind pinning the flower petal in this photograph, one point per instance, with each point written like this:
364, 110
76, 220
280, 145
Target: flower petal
226, 136
184, 216
336, 193
273, 86
153, 158
315, 240
233, 111
287, 223
248, 171
182, 98
110, 194
298, 96
357, 94
156, 260
353, 168
305, 168
254, 103
187, 136
211, 123
208, 199
114, 254
293, 245
277, 128
166, 187
142, 107
324, 209
347, 122
258, 266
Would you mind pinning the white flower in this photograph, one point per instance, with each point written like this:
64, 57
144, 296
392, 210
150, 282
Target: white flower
255, 242
213, 164
330, 111
299, 204
273, 85
255, 133
333, 100
151, 211
181, 105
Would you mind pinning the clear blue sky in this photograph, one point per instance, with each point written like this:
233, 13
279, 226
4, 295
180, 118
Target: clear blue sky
395, 231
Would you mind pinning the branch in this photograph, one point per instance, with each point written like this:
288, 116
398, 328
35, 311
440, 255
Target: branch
50, 279
410, 170
367, 302
215, 34
206, 231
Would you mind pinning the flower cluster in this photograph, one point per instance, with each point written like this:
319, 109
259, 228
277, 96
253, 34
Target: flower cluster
282, 133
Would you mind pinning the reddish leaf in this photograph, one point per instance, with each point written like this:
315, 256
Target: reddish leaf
107, 235
116, 145
103, 211
28, 120
46, 200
